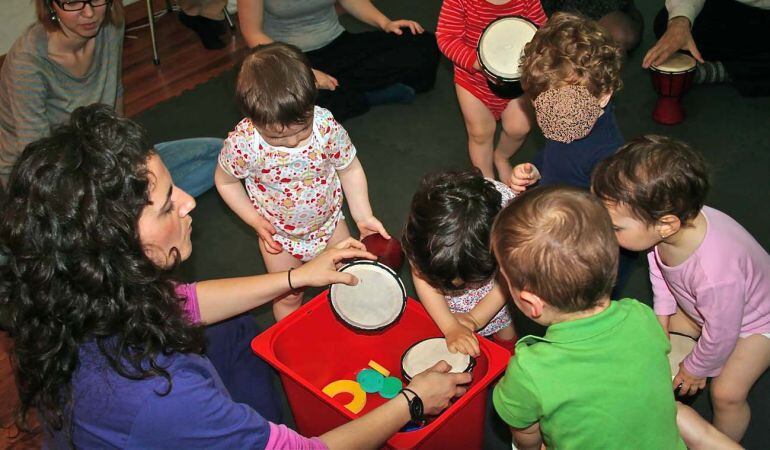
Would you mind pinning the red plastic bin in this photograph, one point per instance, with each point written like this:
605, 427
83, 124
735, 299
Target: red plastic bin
311, 348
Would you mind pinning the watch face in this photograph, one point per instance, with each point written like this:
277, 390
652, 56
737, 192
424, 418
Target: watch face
415, 408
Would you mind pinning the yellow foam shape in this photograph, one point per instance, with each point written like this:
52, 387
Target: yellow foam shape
349, 387
385, 372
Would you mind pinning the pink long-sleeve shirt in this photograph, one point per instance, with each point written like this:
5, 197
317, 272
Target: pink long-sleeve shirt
724, 286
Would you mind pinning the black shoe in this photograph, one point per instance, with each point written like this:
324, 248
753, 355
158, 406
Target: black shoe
206, 30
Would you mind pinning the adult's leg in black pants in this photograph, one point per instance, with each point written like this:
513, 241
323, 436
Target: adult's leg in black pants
370, 61
247, 377
736, 35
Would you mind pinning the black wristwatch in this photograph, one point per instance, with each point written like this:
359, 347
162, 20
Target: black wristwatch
415, 404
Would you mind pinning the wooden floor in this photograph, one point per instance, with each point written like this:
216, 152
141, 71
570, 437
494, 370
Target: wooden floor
184, 64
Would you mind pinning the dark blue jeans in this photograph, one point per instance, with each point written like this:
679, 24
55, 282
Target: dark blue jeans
248, 378
191, 162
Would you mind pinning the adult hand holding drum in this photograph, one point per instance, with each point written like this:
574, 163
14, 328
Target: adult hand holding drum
499, 53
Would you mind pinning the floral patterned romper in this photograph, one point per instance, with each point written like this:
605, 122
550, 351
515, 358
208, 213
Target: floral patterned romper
471, 297
296, 189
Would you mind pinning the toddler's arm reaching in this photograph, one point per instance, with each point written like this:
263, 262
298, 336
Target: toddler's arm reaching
523, 176
487, 308
458, 337
356, 191
234, 194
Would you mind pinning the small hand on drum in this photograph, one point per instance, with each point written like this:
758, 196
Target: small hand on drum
461, 339
325, 81
687, 383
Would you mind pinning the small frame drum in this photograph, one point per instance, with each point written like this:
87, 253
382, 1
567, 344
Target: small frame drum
499, 53
376, 302
671, 80
681, 346
425, 354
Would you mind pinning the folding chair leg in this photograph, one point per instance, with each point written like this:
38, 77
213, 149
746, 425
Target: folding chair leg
151, 20
229, 19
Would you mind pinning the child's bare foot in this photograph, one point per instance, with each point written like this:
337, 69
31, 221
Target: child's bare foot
503, 167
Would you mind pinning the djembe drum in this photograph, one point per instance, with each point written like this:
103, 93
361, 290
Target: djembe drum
376, 302
426, 353
499, 53
671, 80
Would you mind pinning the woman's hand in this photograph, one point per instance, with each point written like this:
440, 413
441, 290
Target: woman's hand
325, 81
687, 383
436, 387
322, 270
395, 27
371, 225
678, 36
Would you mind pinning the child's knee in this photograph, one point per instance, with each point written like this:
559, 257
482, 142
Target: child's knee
725, 395
480, 133
518, 127
290, 299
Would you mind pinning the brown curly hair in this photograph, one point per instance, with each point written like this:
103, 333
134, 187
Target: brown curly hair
571, 50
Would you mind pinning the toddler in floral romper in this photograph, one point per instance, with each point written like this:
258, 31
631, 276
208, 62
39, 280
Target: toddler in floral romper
446, 240
295, 161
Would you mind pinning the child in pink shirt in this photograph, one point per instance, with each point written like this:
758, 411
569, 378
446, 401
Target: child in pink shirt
710, 277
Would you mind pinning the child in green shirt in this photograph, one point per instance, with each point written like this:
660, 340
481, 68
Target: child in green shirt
599, 378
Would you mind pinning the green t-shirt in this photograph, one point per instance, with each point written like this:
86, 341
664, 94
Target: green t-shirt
602, 382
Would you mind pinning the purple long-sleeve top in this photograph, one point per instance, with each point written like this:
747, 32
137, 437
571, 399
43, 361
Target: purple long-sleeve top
724, 286
111, 411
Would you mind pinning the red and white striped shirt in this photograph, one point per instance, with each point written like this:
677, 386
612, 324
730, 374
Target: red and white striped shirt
461, 23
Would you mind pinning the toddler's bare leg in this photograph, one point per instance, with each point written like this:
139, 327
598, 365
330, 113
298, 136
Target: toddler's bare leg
506, 334
289, 302
517, 121
683, 324
341, 232
698, 434
480, 124
730, 389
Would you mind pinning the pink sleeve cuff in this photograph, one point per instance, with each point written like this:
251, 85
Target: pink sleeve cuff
284, 438
189, 293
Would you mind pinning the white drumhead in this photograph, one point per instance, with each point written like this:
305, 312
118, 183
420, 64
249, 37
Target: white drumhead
681, 346
425, 354
502, 43
678, 62
375, 302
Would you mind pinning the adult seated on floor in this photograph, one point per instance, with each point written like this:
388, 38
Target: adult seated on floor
353, 70
206, 18
729, 38
620, 18
106, 346
72, 56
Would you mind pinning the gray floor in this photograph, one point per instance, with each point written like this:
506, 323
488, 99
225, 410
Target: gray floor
397, 144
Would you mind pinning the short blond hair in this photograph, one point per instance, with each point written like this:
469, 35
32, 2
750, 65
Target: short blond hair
558, 243
571, 50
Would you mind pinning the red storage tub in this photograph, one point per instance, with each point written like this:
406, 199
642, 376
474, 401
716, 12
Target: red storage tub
311, 348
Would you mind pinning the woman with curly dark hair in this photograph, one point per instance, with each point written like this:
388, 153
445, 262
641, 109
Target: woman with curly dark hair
108, 348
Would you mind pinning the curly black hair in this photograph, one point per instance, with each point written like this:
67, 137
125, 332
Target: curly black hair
76, 269
446, 237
